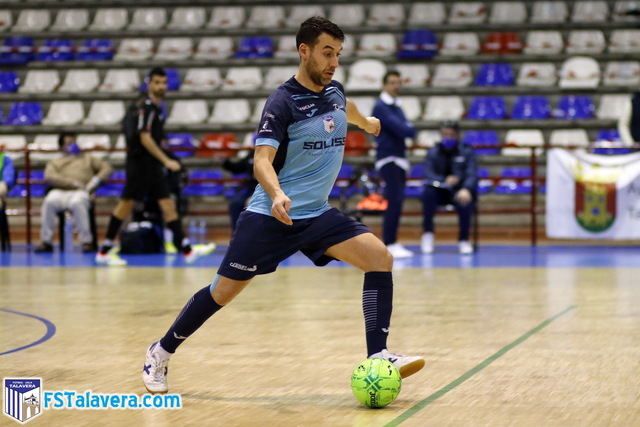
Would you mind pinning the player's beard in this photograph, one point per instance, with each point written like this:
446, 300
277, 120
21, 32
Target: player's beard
159, 93
315, 75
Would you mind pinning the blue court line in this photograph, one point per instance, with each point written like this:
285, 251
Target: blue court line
51, 331
446, 256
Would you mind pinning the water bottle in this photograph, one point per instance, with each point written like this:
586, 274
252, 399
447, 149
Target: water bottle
202, 231
192, 232
68, 233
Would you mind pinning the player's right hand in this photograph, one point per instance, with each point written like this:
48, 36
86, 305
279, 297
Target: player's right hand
280, 208
172, 165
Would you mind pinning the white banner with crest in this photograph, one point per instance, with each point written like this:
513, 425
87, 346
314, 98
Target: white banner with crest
591, 196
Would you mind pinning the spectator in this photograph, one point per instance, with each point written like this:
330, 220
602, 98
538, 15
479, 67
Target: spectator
629, 122
240, 165
451, 178
73, 178
391, 158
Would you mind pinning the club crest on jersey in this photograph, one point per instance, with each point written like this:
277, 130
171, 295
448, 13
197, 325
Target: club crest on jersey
329, 124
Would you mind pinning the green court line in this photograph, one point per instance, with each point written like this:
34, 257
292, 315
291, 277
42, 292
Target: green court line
471, 372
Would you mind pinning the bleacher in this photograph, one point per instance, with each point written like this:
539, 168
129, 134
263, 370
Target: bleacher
527, 73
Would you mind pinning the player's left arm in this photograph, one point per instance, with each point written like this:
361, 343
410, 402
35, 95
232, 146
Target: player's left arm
368, 124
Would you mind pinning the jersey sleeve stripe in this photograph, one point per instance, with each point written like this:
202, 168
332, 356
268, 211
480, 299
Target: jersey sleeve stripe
267, 141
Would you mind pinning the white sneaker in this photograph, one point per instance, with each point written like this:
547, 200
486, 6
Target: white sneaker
465, 247
110, 259
155, 369
399, 251
407, 365
199, 250
426, 243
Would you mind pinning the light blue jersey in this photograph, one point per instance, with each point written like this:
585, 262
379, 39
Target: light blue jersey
309, 130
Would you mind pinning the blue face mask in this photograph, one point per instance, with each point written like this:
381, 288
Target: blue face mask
74, 149
449, 143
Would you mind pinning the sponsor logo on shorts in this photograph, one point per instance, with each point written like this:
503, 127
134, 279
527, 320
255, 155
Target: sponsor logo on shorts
243, 267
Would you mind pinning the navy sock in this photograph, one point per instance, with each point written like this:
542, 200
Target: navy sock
198, 309
377, 298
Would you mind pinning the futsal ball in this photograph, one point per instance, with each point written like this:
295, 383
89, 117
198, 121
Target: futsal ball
376, 383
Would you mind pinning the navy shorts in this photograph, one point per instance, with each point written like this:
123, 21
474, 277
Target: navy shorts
260, 242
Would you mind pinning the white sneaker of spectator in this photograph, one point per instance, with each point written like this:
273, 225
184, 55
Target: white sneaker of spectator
465, 247
399, 251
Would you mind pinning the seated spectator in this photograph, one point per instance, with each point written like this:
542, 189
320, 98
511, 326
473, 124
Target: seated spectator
7, 174
241, 165
451, 179
73, 178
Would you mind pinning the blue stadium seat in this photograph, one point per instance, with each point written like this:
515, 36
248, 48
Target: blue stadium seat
482, 137
9, 82
110, 188
611, 135
16, 50
173, 81
37, 189
415, 181
487, 108
181, 144
255, 47
344, 188
95, 50
24, 114
531, 108
204, 188
485, 185
497, 74
508, 185
418, 44
56, 50
609, 142
575, 107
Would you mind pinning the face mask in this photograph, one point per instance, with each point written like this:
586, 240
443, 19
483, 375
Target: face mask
449, 143
73, 149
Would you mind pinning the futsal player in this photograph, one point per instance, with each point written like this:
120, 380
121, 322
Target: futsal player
298, 153
146, 164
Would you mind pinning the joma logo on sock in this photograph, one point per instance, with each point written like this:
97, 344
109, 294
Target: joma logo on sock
243, 267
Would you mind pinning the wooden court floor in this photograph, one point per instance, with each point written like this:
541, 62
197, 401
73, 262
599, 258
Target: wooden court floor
504, 347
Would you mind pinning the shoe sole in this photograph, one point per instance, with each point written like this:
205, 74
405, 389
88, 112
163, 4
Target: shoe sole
411, 368
156, 392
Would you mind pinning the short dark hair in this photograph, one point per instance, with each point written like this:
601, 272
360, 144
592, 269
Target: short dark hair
62, 136
389, 74
157, 71
311, 29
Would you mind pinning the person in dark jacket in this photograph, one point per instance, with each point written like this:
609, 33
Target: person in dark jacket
451, 179
391, 159
240, 165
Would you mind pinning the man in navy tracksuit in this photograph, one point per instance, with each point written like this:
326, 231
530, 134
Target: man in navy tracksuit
451, 178
391, 158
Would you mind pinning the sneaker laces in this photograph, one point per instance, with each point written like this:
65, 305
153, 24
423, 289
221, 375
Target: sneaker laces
160, 368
